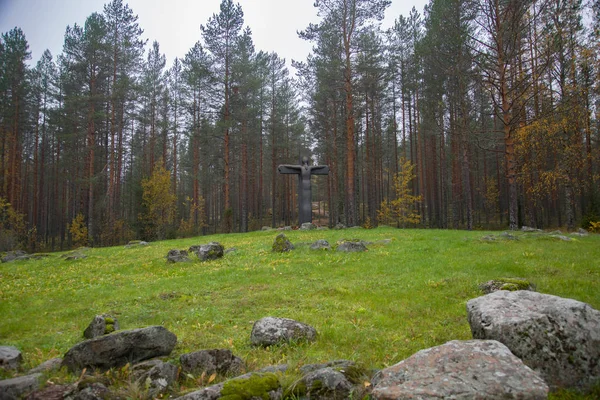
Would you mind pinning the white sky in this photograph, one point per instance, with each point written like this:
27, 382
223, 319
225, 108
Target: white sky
175, 24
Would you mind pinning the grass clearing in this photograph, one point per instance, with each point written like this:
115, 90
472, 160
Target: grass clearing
376, 308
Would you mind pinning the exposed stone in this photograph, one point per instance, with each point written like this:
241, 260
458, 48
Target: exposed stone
507, 236
282, 244
13, 255
271, 330
16, 388
136, 243
562, 237
266, 228
320, 245
120, 348
53, 364
52, 392
529, 229
339, 225
221, 361
95, 391
78, 254
175, 256
101, 325
285, 228
580, 232
559, 338
210, 251
473, 369
308, 226
327, 383
155, 375
338, 365
489, 238
10, 357
511, 284
208, 393
230, 250
351, 246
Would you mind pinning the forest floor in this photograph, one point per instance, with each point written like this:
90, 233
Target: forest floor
376, 308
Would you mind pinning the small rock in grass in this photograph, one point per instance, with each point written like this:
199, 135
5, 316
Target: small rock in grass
308, 226
351, 246
282, 244
51, 365
511, 284
320, 245
101, 325
210, 251
10, 357
327, 383
16, 388
175, 256
271, 330
221, 361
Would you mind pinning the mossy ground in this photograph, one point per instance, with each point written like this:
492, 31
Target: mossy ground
377, 307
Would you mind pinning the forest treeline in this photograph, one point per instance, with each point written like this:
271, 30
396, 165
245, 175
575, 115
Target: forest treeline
475, 113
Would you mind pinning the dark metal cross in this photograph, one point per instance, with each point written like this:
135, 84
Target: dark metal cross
304, 173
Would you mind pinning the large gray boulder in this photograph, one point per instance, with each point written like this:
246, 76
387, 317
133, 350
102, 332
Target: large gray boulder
271, 330
120, 348
217, 360
210, 251
559, 338
10, 357
473, 369
101, 325
16, 388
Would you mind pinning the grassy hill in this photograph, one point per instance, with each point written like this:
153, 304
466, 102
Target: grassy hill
376, 308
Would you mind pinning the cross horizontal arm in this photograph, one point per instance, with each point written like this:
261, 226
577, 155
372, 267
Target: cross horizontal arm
319, 170
289, 169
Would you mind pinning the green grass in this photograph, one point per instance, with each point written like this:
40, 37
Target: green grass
376, 308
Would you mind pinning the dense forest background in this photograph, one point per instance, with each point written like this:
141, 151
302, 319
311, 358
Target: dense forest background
474, 114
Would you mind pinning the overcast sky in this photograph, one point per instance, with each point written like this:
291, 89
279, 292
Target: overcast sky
175, 24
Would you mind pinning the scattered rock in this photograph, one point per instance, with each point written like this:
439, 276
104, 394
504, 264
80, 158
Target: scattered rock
175, 256
266, 228
529, 229
562, 237
338, 365
95, 391
136, 243
47, 366
10, 357
339, 225
210, 251
120, 348
556, 232
557, 337
253, 385
489, 238
308, 226
271, 330
282, 244
16, 388
473, 369
230, 250
13, 255
155, 375
52, 392
507, 236
285, 228
351, 246
101, 325
221, 361
78, 254
327, 383
580, 232
511, 284
320, 245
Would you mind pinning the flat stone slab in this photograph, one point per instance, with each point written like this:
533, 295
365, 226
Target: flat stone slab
557, 337
120, 348
15, 388
473, 369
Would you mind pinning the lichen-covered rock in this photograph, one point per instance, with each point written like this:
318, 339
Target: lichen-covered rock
351, 246
120, 348
47, 366
10, 357
282, 244
320, 244
338, 365
271, 330
16, 388
175, 256
217, 360
155, 375
511, 284
557, 337
13, 255
101, 325
473, 369
254, 386
327, 383
210, 251
307, 226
